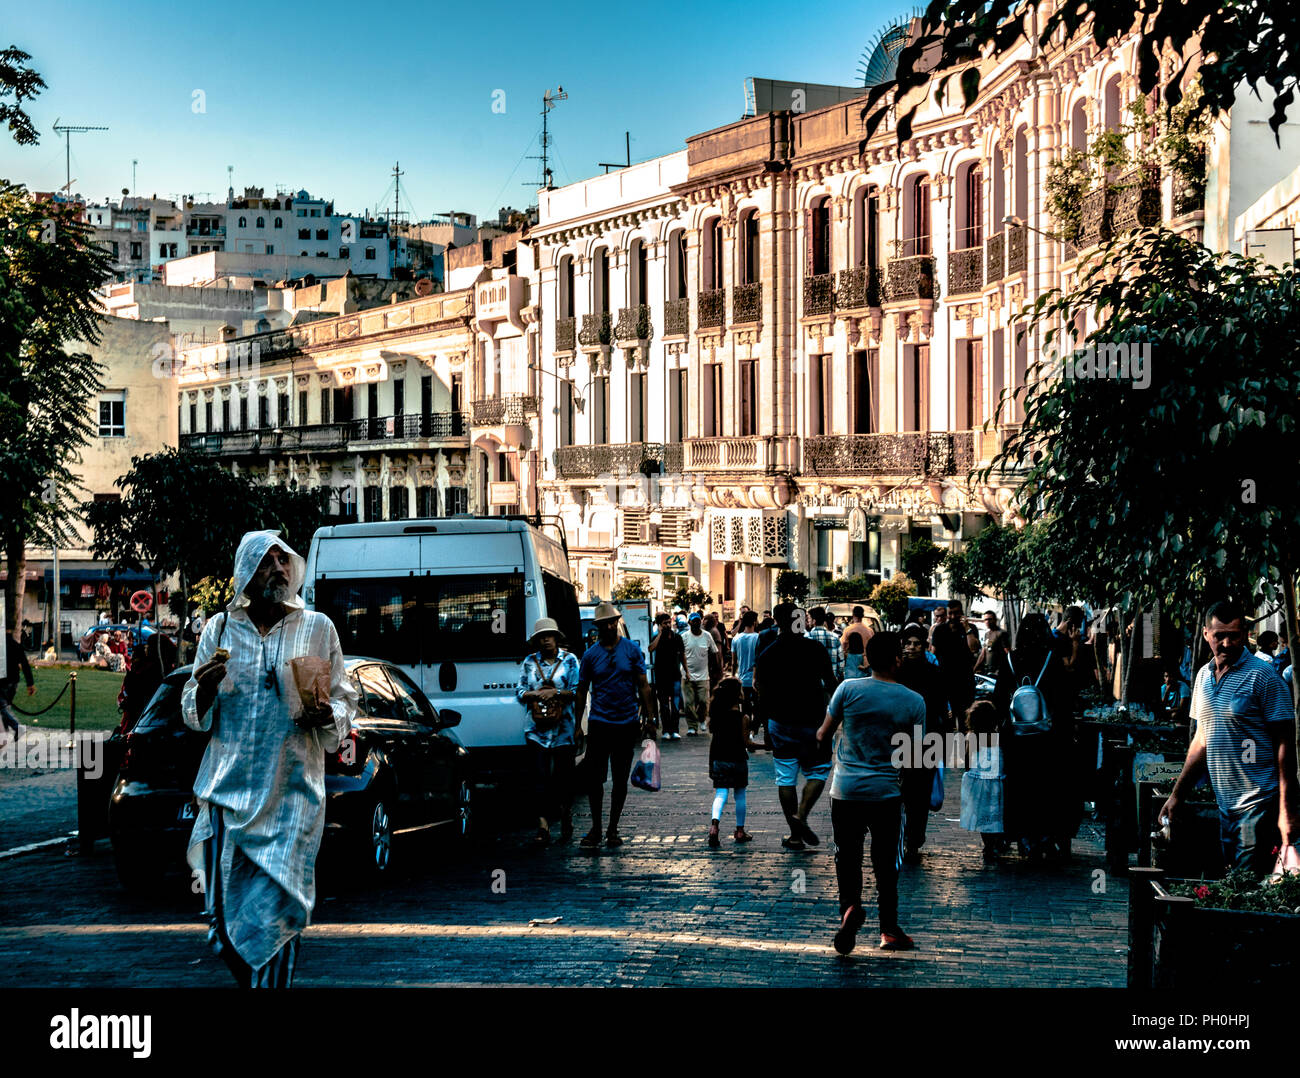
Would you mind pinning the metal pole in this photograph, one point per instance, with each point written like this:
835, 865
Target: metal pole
58, 636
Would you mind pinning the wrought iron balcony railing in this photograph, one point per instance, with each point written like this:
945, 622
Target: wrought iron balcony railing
566, 334
1017, 249
965, 270
859, 288
595, 330
677, 317
911, 278
1137, 200
634, 324
400, 428
316, 437
995, 257
1097, 211
747, 303
590, 461
818, 294
514, 408
711, 308
901, 453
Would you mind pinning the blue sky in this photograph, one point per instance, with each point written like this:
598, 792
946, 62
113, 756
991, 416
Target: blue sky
328, 95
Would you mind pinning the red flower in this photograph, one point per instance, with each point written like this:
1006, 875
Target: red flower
1277, 850
1202, 891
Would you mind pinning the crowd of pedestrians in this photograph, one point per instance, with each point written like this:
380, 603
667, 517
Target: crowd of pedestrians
833, 703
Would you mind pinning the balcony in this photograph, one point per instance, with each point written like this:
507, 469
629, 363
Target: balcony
595, 330
711, 308
965, 270
753, 454
995, 257
901, 453
818, 295
201, 230
859, 288
677, 317
634, 324
747, 303
566, 334
1017, 249
1137, 200
1097, 214
514, 408
591, 461
910, 279
316, 437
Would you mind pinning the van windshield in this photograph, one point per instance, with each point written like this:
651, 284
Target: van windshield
414, 620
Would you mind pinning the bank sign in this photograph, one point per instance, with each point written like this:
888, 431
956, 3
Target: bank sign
645, 559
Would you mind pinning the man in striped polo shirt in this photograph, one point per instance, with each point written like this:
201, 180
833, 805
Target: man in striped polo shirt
1245, 740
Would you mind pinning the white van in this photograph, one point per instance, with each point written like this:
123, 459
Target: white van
452, 601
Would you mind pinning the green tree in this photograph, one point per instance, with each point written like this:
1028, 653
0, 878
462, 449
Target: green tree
633, 587
889, 597
19, 82
165, 523
49, 269
1230, 41
921, 560
691, 596
846, 589
791, 586
1176, 484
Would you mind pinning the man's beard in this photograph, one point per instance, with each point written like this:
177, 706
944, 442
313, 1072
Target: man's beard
276, 593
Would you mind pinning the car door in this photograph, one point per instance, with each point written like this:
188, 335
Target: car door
388, 730
436, 751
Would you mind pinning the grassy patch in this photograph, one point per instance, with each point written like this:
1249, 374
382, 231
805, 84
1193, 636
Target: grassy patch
96, 698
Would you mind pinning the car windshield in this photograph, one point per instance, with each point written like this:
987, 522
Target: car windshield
164, 709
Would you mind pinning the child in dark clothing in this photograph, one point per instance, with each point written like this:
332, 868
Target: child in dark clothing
728, 760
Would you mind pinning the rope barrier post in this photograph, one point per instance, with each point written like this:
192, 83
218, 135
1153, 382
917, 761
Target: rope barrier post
81, 846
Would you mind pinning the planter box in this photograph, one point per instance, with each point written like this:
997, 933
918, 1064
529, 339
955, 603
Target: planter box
1173, 943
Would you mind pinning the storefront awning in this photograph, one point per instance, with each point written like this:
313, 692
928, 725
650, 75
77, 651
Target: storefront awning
97, 575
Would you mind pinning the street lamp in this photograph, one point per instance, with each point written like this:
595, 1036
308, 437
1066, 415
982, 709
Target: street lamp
1011, 219
578, 402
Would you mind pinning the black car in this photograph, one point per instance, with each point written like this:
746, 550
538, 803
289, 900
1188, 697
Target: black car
402, 770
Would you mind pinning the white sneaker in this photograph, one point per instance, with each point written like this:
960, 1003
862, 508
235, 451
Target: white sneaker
691, 733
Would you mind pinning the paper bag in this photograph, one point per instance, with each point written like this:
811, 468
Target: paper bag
311, 677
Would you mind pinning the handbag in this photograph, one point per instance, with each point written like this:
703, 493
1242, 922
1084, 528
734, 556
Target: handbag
936, 790
546, 714
646, 775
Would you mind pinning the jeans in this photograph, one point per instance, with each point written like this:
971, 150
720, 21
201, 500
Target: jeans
1249, 837
695, 695
553, 772
918, 783
666, 691
850, 822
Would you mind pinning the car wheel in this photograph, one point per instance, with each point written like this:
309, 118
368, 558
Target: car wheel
464, 810
379, 843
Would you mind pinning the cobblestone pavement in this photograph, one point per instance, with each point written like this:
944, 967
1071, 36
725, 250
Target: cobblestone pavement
662, 910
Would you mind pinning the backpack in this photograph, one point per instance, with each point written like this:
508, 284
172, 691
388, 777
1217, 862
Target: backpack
1029, 714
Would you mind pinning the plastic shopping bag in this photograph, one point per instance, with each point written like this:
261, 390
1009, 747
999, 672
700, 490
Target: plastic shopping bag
646, 774
936, 790
1288, 860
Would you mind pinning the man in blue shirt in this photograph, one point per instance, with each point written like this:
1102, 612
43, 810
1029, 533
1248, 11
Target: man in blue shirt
613, 671
1245, 740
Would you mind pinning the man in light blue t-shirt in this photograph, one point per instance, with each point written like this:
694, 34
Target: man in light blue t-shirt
1245, 740
866, 792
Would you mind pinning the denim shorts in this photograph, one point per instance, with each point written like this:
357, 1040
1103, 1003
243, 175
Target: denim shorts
795, 749
1249, 837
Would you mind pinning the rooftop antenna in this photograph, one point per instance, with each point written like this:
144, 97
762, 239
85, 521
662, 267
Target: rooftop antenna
627, 142
134, 162
395, 215
66, 131
230, 182
548, 102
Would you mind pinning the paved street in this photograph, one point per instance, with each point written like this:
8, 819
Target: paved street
663, 910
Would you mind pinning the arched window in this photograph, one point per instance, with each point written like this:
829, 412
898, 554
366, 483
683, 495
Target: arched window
279, 222
261, 222
749, 247
600, 281
713, 276
866, 226
243, 222
916, 219
566, 287
637, 285
677, 265
818, 237
1079, 127
1022, 175
970, 205
1112, 104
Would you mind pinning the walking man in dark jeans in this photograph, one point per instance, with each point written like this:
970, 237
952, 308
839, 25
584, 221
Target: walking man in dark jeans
613, 672
923, 678
793, 678
16, 665
667, 655
867, 792
1245, 740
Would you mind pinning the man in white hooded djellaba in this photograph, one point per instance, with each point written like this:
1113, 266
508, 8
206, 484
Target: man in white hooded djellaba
261, 786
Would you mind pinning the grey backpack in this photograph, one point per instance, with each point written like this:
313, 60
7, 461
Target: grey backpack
1029, 714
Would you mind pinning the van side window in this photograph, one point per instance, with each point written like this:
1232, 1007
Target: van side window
475, 617
376, 618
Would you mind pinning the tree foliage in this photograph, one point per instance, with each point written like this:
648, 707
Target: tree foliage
1185, 489
921, 559
633, 587
791, 586
21, 83
889, 597
692, 596
1230, 41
